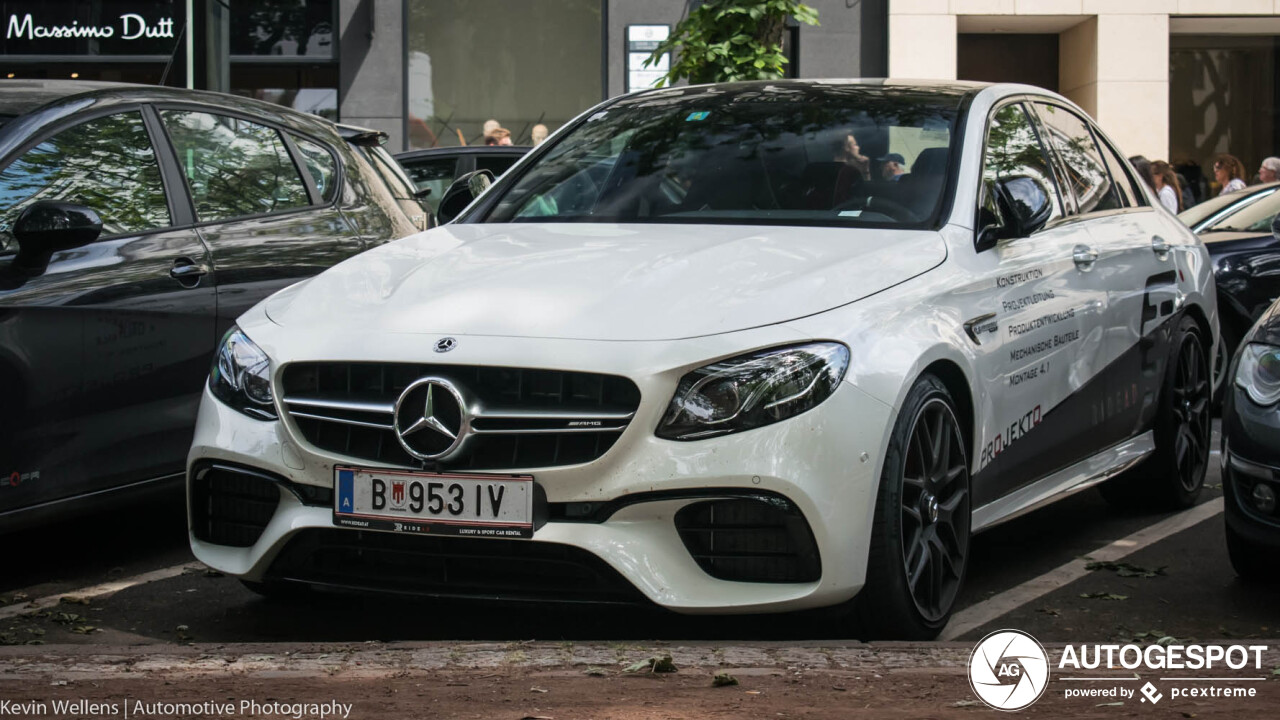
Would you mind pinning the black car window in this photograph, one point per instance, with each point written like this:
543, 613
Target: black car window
496, 164
1013, 149
434, 173
107, 164
234, 167
1086, 172
320, 163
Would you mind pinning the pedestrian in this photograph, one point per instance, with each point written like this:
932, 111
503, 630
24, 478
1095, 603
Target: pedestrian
1228, 171
1143, 166
1270, 170
538, 134
498, 136
1168, 189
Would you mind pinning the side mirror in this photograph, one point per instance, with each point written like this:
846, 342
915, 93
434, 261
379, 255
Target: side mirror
1021, 207
49, 226
460, 194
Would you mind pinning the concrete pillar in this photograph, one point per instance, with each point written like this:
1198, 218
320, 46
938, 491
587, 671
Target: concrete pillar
922, 40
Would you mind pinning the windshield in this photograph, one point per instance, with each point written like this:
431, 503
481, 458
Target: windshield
789, 154
1253, 217
1197, 215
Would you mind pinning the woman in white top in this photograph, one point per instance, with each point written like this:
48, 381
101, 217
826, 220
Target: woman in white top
1168, 189
1229, 172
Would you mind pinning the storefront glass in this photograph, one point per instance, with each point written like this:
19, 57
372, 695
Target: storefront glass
520, 63
1222, 99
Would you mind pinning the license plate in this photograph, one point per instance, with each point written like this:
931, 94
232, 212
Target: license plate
436, 503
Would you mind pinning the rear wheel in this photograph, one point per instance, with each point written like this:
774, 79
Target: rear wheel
1173, 476
920, 536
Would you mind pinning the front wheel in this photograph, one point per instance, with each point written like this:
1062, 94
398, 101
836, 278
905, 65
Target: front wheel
920, 536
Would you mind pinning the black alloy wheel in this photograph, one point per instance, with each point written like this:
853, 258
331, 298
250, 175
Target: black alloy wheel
1172, 477
919, 548
935, 510
1191, 403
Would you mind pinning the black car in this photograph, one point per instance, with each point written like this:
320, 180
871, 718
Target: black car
136, 223
1236, 228
1251, 451
435, 169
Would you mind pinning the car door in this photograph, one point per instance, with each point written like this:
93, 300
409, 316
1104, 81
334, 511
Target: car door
1133, 265
1033, 324
103, 354
265, 201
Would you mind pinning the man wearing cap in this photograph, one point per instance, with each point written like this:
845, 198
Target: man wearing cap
893, 167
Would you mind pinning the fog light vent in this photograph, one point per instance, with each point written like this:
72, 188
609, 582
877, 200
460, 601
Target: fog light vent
762, 538
1264, 498
231, 506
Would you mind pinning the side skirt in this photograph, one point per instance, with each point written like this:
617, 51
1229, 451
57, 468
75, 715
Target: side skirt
1083, 475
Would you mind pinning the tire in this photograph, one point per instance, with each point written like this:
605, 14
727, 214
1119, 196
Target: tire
1173, 476
1252, 562
920, 536
1228, 341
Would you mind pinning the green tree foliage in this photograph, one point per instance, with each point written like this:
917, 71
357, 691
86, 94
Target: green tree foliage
727, 40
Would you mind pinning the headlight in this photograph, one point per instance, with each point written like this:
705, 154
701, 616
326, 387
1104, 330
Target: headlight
753, 390
241, 376
1259, 373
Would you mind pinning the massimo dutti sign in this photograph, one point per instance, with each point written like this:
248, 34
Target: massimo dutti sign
93, 27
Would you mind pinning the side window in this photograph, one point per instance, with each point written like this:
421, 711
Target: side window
320, 163
1126, 182
1086, 172
1013, 149
234, 167
107, 165
435, 174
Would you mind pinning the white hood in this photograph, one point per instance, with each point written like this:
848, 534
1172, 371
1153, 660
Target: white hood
603, 282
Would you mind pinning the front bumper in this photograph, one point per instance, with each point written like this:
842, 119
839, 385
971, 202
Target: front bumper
1250, 456
815, 460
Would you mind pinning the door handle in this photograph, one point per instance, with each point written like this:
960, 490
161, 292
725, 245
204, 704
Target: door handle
1084, 257
186, 272
1160, 247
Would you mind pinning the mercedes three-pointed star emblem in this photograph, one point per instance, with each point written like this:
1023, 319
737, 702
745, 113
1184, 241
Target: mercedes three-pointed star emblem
431, 419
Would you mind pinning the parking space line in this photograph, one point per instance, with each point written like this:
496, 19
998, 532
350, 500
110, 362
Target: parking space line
975, 616
97, 591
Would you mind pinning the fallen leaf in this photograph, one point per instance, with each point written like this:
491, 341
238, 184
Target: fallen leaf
964, 703
1103, 596
69, 600
1114, 704
1124, 569
537, 689
723, 679
655, 664
595, 672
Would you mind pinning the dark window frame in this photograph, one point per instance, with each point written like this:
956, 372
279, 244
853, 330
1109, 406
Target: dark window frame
1024, 102
295, 155
68, 122
1095, 134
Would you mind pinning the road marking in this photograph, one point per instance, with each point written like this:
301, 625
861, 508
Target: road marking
97, 591
975, 616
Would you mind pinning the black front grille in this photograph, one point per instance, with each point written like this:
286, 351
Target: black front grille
761, 539
450, 567
525, 418
231, 506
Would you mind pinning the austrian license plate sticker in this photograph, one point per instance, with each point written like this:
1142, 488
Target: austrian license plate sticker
468, 505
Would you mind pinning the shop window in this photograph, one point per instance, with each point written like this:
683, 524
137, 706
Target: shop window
285, 28
107, 165
520, 63
234, 168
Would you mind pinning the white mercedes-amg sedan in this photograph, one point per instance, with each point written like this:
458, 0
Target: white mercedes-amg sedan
734, 348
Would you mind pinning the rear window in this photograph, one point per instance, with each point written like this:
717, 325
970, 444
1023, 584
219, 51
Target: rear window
393, 176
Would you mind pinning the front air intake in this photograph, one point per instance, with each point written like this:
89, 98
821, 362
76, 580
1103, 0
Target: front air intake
763, 539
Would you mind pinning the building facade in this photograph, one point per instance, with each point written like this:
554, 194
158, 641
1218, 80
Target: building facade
1182, 80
